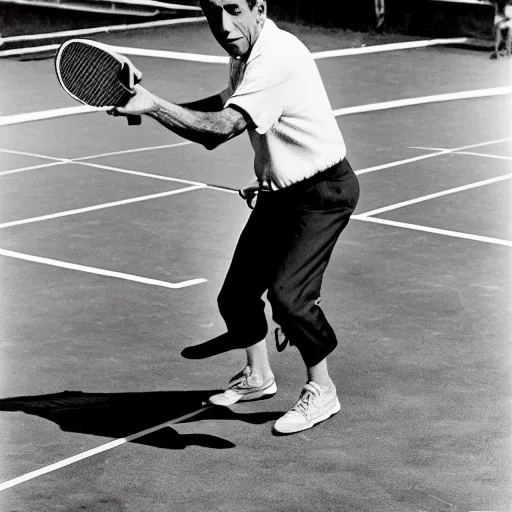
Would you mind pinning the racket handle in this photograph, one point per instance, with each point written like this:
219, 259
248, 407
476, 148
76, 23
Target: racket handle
134, 120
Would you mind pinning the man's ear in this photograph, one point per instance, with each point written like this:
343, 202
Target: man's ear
262, 8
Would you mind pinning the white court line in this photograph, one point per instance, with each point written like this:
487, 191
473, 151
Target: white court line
435, 195
156, 176
97, 30
36, 155
329, 54
95, 451
99, 155
99, 271
147, 3
99, 207
197, 185
31, 168
194, 57
47, 114
141, 52
406, 45
166, 54
28, 51
437, 231
371, 107
125, 151
140, 173
397, 163
485, 155
471, 153
436, 98
432, 155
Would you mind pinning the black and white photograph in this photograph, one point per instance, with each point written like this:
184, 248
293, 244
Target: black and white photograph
255, 256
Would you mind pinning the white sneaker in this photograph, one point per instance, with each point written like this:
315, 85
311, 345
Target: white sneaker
240, 390
315, 404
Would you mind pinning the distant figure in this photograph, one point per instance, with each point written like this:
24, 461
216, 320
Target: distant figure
380, 11
502, 27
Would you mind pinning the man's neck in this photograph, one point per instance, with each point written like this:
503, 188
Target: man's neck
245, 57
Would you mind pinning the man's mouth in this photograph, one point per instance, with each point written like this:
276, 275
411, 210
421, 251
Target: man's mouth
232, 41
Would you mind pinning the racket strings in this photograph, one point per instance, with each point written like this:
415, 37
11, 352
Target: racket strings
85, 63
92, 75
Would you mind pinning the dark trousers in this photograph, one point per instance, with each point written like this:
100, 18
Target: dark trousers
284, 249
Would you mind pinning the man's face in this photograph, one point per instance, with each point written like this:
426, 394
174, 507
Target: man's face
234, 25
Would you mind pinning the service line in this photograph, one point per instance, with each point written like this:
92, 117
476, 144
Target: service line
435, 195
431, 155
470, 153
437, 231
31, 168
99, 206
99, 271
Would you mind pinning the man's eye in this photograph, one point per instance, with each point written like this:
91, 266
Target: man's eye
233, 10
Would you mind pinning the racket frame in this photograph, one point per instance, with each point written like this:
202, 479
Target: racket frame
133, 77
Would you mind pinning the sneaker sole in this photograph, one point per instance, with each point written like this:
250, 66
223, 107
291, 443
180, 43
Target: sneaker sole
323, 417
264, 393
248, 397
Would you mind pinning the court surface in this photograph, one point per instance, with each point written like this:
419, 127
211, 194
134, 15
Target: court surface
114, 242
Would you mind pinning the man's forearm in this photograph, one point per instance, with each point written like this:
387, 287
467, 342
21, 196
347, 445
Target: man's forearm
207, 128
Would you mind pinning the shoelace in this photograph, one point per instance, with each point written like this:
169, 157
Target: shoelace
241, 381
307, 397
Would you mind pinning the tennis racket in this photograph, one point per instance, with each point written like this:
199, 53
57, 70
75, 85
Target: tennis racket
93, 74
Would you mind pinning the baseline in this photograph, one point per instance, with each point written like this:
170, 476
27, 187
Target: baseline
371, 107
423, 100
221, 59
99, 30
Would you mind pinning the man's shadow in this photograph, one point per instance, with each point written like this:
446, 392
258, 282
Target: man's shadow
120, 415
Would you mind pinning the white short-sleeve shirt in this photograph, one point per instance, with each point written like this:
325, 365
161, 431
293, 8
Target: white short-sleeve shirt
294, 132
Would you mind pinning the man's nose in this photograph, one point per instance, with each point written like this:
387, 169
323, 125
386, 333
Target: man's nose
226, 23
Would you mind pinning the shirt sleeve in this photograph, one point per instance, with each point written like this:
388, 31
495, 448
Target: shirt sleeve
261, 92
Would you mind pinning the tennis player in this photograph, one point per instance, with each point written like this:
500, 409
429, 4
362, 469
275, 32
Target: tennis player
304, 193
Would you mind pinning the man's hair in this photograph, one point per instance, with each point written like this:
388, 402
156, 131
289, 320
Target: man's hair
250, 3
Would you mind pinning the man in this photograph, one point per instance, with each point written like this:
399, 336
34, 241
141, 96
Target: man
380, 14
305, 192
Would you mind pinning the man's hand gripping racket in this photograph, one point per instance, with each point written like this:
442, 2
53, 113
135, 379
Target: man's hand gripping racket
93, 74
